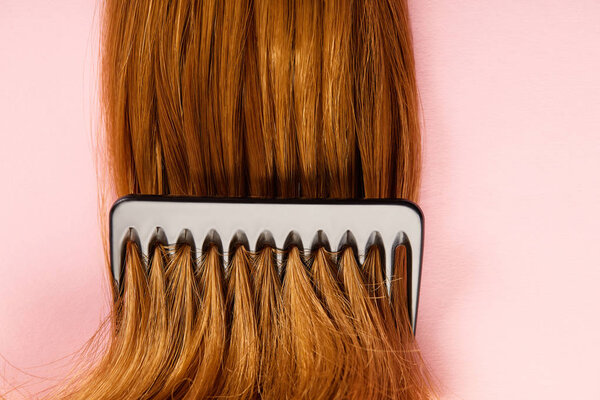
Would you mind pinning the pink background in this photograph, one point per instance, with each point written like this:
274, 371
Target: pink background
511, 192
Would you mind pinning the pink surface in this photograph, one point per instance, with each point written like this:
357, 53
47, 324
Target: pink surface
511, 192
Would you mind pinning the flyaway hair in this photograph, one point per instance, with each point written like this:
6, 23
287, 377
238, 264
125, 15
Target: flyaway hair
263, 99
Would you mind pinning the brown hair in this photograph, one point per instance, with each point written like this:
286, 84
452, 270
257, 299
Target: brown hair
294, 98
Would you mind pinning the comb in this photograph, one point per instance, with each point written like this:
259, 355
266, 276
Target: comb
359, 224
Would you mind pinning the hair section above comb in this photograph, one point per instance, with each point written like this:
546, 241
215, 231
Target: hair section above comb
354, 224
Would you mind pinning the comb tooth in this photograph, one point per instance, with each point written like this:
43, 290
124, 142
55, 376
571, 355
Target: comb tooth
400, 239
238, 239
131, 235
213, 238
186, 239
348, 241
293, 239
375, 239
265, 239
320, 240
158, 237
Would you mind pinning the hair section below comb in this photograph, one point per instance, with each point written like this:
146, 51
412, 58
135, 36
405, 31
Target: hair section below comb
318, 325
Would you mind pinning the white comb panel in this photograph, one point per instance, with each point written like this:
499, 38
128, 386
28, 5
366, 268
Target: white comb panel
397, 221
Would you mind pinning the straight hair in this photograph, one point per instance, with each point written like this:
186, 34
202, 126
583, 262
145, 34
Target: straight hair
257, 98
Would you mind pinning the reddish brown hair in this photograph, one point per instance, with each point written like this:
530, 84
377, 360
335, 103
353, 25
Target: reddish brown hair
294, 98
